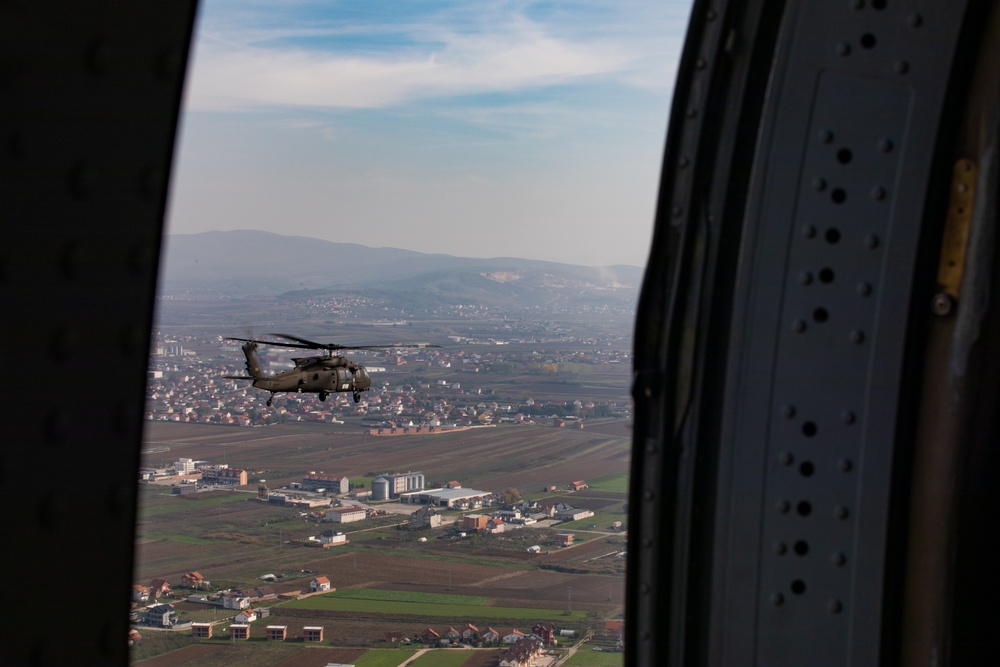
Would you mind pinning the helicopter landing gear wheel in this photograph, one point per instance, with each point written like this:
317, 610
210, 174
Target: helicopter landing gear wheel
323, 395
357, 397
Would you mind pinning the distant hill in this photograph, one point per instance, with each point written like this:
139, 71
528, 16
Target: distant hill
255, 263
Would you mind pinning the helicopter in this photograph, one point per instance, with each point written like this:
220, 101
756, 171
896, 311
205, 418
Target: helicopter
322, 375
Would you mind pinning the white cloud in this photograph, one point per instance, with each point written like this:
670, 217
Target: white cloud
257, 68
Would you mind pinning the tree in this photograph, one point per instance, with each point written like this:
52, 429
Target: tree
510, 496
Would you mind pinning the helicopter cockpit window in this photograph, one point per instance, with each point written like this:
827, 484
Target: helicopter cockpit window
479, 176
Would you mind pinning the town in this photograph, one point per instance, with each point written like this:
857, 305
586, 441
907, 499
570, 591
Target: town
475, 497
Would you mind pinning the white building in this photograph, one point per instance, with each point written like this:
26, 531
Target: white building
346, 514
184, 466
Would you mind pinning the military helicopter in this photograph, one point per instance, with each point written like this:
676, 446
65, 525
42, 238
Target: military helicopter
321, 375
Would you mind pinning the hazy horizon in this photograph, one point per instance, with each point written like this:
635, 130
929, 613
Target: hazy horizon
488, 129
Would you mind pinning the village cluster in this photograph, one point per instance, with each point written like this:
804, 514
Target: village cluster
184, 386
519, 648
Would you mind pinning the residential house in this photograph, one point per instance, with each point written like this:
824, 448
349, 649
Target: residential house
430, 637
578, 485
246, 616
470, 634
134, 638
425, 517
393, 637
564, 539
235, 600
453, 636
201, 630
276, 633
496, 525
319, 585
490, 636
312, 633
521, 653
474, 522
512, 637
239, 631
160, 616
159, 588
545, 632
193, 580
140, 593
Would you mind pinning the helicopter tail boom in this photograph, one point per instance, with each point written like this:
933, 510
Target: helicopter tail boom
253, 363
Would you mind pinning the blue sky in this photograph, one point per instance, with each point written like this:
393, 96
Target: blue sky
479, 129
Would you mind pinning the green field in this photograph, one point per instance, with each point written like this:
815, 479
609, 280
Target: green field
422, 604
442, 657
587, 657
408, 596
616, 483
385, 657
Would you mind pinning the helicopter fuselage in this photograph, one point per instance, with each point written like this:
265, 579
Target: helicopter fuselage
318, 375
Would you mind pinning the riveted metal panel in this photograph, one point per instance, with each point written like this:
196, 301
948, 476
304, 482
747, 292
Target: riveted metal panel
827, 264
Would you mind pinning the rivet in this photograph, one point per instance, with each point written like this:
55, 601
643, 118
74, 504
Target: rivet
798, 326
779, 548
878, 193
819, 184
777, 599
901, 67
787, 411
783, 506
786, 458
838, 559
884, 145
805, 278
808, 231
848, 417
840, 512
845, 465
843, 49
871, 241
857, 336
864, 289
826, 136
834, 606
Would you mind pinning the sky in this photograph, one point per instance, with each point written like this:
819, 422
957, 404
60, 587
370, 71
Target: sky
476, 129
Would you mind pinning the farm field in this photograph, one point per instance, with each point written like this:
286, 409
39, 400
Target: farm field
386, 578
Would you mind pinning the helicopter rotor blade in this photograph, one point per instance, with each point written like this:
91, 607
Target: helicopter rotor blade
272, 342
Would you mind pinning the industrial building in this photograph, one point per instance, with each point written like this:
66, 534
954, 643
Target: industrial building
392, 485
450, 498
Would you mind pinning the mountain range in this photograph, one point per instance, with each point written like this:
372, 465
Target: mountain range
254, 263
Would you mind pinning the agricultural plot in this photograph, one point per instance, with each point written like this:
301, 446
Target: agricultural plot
233, 539
425, 605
